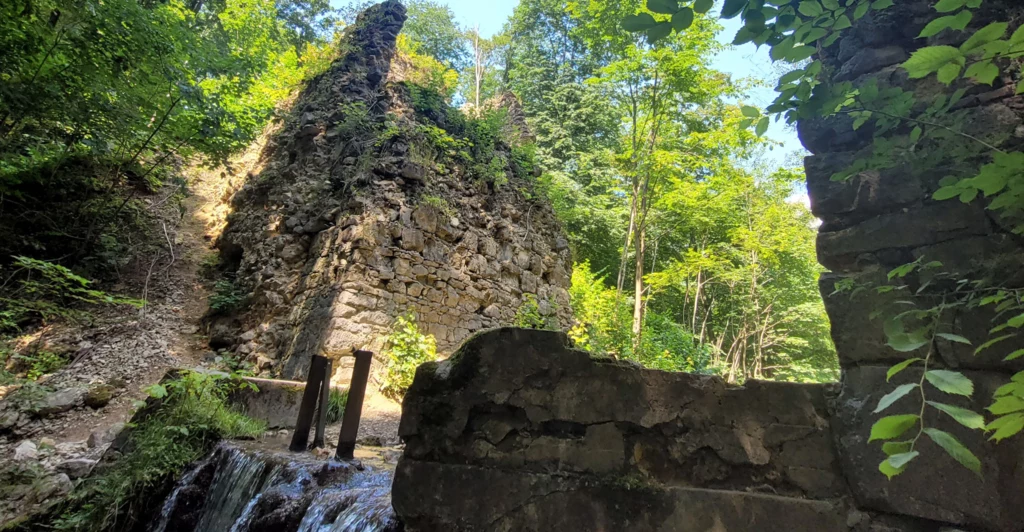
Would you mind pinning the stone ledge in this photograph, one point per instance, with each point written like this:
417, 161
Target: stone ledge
458, 498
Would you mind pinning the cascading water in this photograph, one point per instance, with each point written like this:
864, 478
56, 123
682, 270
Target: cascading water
243, 487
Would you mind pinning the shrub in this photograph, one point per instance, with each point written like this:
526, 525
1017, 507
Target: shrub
405, 348
227, 297
528, 315
48, 291
41, 363
191, 416
440, 205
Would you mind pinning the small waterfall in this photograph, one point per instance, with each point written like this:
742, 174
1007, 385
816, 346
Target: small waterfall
237, 481
242, 487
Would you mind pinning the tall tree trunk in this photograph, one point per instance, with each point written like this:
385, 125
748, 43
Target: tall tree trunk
478, 71
638, 288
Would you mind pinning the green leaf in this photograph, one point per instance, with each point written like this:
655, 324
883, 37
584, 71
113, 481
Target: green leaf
928, 60
842, 23
762, 126
157, 391
948, 6
659, 32
906, 343
946, 193
955, 449
992, 342
956, 22
1007, 405
1017, 37
891, 427
682, 20
862, 9
800, 53
897, 447
733, 8
811, 8
965, 417
948, 73
900, 367
1014, 355
893, 396
779, 51
703, 6
1016, 322
665, 7
915, 135
641, 22
955, 338
984, 72
897, 463
750, 112
1006, 426
984, 36
951, 382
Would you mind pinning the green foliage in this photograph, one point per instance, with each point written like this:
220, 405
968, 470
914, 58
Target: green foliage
431, 27
405, 348
336, 405
528, 315
188, 415
439, 204
41, 363
49, 291
227, 297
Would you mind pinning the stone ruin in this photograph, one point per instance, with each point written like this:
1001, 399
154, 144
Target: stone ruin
336, 236
520, 432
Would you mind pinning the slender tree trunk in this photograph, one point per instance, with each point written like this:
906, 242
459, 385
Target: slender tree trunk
638, 287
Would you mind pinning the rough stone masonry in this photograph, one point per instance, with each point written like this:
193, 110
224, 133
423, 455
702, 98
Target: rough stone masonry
334, 238
520, 432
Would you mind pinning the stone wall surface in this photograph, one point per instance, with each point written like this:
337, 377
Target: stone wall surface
518, 431
335, 237
881, 219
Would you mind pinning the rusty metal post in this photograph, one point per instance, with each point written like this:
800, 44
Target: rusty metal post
325, 403
314, 380
354, 406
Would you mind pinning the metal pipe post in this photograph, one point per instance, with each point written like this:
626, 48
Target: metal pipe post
325, 403
354, 406
314, 380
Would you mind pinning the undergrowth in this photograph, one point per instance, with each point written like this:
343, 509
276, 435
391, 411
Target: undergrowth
188, 416
405, 348
336, 405
48, 291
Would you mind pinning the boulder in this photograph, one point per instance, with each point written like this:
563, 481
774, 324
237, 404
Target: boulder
25, 450
59, 402
76, 468
99, 395
102, 437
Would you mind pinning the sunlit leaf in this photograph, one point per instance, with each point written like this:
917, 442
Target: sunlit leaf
891, 427
900, 367
965, 417
1006, 426
951, 382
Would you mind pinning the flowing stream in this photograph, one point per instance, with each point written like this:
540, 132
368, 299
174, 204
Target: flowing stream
248, 487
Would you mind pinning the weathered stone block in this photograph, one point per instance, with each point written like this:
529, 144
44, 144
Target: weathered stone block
934, 486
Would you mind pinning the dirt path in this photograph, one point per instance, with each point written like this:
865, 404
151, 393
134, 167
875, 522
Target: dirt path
129, 348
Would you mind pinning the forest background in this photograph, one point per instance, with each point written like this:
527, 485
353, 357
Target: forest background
693, 250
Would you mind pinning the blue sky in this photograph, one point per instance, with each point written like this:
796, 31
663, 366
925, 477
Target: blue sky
741, 62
